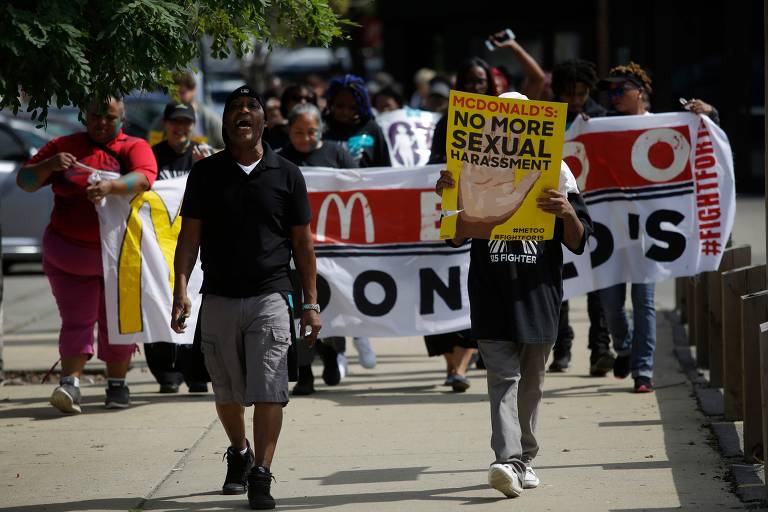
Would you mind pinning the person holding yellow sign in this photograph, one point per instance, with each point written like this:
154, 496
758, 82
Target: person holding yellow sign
518, 216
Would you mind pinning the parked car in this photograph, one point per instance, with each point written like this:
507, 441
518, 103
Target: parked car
23, 216
60, 121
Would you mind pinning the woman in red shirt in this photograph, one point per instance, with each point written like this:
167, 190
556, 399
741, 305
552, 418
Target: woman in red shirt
72, 244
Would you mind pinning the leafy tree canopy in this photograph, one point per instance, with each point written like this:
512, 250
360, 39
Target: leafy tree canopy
73, 50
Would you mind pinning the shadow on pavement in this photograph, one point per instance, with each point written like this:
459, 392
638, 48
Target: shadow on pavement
91, 405
174, 503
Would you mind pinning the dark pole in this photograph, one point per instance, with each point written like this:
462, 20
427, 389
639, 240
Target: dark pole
765, 118
603, 39
206, 86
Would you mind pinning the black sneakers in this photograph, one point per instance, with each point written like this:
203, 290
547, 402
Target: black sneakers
643, 384
197, 387
560, 362
259, 484
118, 397
66, 397
170, 387
460, 383
600, 363
238, 466
621, 367
331, 373
306, 383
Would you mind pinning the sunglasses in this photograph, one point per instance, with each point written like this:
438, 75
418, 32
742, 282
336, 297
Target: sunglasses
619, 91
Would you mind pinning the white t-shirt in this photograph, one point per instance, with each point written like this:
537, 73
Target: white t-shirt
248, 168
567, 180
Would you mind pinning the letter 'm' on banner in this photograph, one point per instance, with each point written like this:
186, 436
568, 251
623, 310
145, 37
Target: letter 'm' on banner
129, 261
345, 216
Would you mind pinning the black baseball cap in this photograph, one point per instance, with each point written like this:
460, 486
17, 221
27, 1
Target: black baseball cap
175, 110
243, 90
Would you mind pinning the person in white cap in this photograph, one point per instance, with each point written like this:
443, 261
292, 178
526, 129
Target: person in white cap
515, 301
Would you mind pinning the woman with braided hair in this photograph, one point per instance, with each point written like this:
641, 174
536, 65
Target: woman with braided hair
349, 119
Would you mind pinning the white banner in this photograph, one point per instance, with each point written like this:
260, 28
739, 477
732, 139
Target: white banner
409, 135
138, 241
660, 190
382, 269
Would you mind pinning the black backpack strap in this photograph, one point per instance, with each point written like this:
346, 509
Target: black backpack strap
114, 154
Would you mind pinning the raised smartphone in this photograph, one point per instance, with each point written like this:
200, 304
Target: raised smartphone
507, 35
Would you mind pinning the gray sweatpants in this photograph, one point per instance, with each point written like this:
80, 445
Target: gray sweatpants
515, 387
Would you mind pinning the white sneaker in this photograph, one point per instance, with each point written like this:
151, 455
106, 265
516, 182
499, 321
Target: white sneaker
341, 360
365, 351
530, 480
504, 479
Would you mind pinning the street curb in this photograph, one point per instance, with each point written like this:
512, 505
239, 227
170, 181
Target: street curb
748, 480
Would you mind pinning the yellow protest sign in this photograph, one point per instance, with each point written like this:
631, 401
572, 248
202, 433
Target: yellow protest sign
502, 153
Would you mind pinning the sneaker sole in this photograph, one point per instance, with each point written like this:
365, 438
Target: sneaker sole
530, 484
64, 402
501, 481
116, 405
262, 506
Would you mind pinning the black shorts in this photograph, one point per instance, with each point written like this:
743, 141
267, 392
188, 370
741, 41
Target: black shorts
439, 344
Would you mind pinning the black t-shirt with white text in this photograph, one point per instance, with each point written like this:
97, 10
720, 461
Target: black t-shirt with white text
516, 287
171, 164
245, 248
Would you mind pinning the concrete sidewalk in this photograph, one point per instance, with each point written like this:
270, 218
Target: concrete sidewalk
386, 439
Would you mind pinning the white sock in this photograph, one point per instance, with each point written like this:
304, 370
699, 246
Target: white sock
244, 450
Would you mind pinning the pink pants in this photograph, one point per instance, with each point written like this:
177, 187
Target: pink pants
76, 276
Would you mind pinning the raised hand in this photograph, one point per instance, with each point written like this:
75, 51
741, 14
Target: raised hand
489, 195
699, 107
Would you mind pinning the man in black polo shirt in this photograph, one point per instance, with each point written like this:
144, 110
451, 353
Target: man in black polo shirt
247, 210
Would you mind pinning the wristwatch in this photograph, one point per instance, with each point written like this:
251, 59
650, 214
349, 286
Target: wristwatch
313, 307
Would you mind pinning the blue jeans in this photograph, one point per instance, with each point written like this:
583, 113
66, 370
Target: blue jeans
640, 342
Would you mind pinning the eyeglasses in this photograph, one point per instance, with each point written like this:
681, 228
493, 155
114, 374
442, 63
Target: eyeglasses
619, 91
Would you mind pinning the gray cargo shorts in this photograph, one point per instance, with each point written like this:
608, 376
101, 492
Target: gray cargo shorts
245, 344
